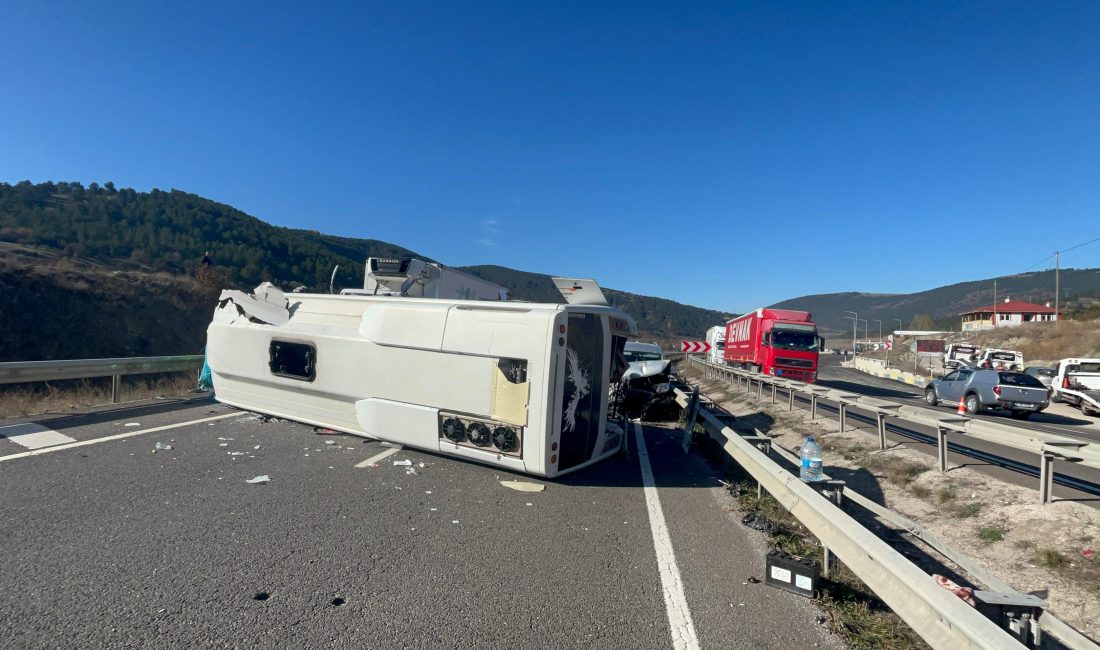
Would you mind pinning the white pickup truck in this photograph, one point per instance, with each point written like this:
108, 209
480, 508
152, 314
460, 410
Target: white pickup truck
1077, 382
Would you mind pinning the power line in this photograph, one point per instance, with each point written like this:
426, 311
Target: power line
1051, 256
1080, 245
1064, 250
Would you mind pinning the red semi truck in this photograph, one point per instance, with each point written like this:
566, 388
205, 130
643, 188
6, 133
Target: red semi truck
778, 342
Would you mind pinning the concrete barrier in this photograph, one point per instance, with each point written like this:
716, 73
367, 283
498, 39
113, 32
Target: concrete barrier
880, 369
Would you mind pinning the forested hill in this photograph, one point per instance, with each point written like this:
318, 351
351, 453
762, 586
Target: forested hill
170, 231
167, 232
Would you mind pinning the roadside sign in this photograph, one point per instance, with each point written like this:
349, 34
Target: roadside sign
694, 347
888, 345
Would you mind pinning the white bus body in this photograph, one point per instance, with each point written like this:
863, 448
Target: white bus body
419, 279
522, 386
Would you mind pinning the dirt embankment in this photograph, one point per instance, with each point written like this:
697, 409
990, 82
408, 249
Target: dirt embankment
61, 308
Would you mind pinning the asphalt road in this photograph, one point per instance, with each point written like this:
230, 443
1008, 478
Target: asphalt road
833, 375
116, 544
1061, 419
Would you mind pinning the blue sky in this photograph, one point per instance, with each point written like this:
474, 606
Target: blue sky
727, 155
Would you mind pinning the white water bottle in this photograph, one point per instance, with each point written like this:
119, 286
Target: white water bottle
811, 466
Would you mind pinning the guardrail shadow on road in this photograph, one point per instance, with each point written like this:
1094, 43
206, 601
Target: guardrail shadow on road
60, 421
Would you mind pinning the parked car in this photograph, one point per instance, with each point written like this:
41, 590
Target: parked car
1044, 375
1016, 392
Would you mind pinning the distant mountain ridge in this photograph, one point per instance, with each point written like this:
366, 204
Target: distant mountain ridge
942, 305
168, 232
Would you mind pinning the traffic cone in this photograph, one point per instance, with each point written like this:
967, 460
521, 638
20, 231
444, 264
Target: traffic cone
962, 406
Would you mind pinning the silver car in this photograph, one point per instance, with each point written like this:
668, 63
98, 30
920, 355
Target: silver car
1018, 393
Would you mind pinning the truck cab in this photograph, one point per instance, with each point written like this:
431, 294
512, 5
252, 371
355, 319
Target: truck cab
959, 355
778, 342
716, 337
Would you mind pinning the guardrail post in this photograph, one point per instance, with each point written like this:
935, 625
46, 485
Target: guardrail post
941, 447
881, 430
1046, 478
759, 388
116, 381
693, 411
813, 406
843, 412
773, 393
827, 562
790, 398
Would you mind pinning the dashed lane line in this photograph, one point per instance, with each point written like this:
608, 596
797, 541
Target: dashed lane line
33, 435
679, 616
120, 436
377, 457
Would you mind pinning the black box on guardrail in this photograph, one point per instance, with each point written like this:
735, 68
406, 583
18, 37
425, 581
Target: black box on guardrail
787, 572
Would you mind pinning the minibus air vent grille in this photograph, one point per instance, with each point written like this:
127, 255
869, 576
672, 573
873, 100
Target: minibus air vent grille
484, 435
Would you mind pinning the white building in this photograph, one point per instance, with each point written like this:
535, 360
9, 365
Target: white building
1010, 313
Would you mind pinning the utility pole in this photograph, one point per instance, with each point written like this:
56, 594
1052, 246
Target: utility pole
994, 304
879, 329
1057, 288
855, 319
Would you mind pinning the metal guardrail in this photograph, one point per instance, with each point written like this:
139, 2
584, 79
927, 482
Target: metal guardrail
938, 616
1047, 446
17, 372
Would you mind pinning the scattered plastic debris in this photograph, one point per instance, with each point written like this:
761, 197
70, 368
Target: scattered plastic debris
393, 445
259, 480
325, 431
454, 521
220, 438
224, 444
1088, 553
256, 447
236, 453
160, 446
524, 486
330, 442
422, 465
757, 521
132, 424
752, 581
427, 491
433, 509
402, 463
410, 470
530, 504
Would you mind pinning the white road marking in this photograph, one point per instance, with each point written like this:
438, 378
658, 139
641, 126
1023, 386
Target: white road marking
377, 457
33, 435
679, 616
120, 436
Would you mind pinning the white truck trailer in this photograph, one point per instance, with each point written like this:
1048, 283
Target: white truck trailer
716, 337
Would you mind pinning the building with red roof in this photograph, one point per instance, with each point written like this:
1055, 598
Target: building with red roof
1009, 313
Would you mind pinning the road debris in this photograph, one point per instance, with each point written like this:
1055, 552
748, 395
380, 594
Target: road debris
392, 444
330, 442
160, 446
259, 480
1088, 553
524, 486
325, 431
224, 444
966, 594
402, 463
410, 470
132, 424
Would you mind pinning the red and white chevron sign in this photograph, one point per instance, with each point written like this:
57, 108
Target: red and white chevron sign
694, 347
